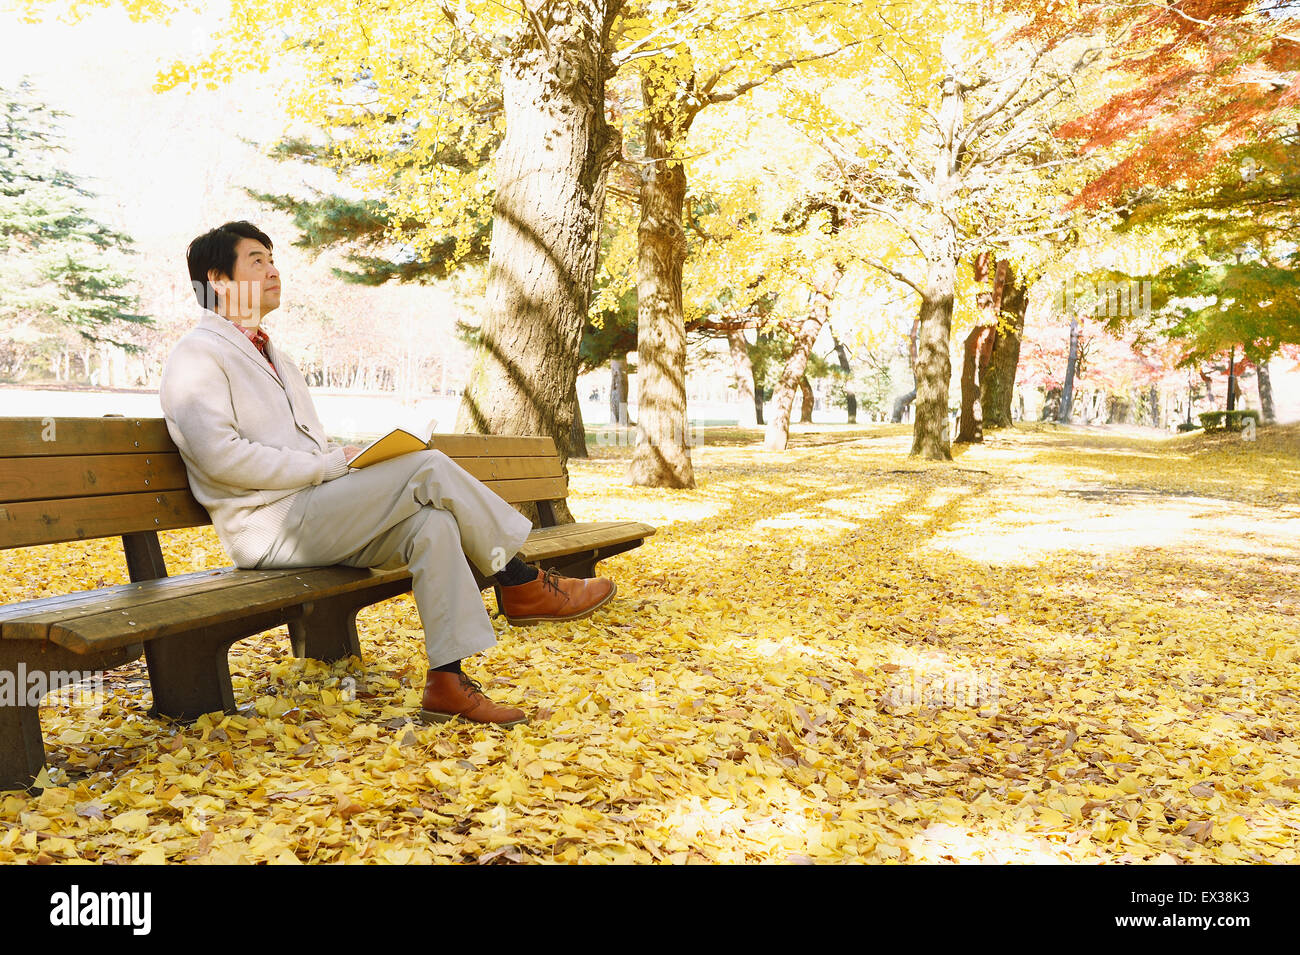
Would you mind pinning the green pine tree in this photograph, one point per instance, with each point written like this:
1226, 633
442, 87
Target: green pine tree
59, 268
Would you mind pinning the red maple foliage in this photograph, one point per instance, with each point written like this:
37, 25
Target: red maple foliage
1207, 77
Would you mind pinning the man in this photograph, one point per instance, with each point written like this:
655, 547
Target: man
281, 495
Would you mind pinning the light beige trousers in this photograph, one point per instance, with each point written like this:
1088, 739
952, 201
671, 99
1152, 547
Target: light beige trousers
422, 510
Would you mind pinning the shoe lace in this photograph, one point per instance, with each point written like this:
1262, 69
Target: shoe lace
471, 686
549, 578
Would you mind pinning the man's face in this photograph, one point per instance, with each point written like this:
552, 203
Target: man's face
254, 287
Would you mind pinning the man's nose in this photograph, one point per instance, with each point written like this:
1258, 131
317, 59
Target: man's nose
272, 272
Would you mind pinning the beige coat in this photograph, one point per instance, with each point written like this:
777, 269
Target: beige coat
250, 441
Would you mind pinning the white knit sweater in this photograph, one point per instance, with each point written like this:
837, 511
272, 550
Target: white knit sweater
249, 441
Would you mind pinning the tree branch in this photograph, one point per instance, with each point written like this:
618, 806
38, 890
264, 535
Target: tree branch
625, 55
740, 89
888, 271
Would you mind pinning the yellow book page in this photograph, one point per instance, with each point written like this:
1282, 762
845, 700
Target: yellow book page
392, 445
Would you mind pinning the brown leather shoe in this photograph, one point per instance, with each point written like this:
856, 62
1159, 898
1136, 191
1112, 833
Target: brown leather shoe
552, 597
449, 695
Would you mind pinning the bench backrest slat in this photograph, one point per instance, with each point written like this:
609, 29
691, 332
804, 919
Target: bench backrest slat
532, 489
26, 437
511, 469
87, 518
495, 446
46, 478
67, 479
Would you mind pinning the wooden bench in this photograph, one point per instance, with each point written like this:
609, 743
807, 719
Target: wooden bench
74, 479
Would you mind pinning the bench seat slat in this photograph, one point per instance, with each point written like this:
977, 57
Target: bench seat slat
61, 476
31, 619
547, 542
191, 612
129, 613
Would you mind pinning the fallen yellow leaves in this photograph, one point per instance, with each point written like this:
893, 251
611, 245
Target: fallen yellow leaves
820, 657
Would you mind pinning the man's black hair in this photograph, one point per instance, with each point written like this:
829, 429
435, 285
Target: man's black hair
216, 250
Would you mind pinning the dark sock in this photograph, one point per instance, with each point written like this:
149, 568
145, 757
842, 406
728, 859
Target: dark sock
516, 572
452, 667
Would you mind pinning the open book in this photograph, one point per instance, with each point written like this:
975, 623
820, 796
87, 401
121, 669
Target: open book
397, 442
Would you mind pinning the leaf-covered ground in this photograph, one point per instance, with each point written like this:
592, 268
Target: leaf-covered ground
1066, 646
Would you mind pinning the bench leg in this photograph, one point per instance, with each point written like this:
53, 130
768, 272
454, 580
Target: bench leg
327, 629
190, 672
326, 633
190, 677
22, 748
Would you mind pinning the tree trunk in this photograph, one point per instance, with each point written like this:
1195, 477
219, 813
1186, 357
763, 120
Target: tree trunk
806, 392
618, 413
933, 366
778, 429
577, 431
550, 178
750, 412
979, 346
999, 381
1067, 386
1265, 385
1232, 379
850, 399
900, 405
662, 457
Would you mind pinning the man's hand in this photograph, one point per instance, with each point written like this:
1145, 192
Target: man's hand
350, 451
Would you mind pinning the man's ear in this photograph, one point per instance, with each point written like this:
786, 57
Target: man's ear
218, 281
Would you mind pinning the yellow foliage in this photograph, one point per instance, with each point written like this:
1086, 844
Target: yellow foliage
1030, 670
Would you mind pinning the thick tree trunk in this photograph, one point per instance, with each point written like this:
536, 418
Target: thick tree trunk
778, 429
662, 457
850, 399
1067, 386
550, 177
750, 410
933, 366
999, 381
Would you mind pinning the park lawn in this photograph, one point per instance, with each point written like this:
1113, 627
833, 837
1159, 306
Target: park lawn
1065, 646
